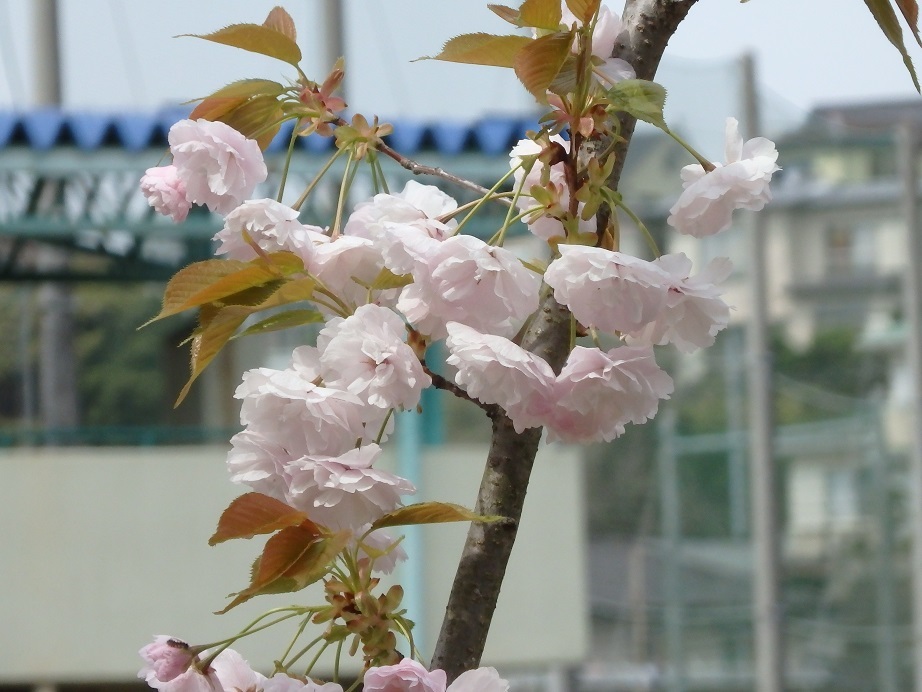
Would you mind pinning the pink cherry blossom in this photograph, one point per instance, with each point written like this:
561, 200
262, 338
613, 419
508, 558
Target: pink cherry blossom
259, 462
608, 290
494, 370
694, 312
343, 265
598, 393
234, 672
479, 680
218, 166
608, 27
366, 354
166, 658
419, 206
406, 676
465, 280
269, 225
707, 203
284, 683
345, 491
191, 680
301, 416
166, 193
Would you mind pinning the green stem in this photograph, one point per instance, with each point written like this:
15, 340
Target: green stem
499, 236
303, 651
310, 188
288, 155
705, 163
616, 201
348, 175
250, 629
483, 200
297, 636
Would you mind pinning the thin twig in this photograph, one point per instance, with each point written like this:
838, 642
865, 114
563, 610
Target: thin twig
440, 382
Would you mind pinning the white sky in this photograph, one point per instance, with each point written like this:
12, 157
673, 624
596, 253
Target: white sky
120, 54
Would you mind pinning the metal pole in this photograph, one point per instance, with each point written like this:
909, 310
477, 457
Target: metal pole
334, 37
769, 657
57, 364
907, 149
672, 539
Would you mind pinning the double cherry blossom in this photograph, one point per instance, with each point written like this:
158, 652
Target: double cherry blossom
313, 430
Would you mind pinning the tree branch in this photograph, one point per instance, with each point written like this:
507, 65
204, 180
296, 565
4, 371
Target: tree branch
649, 24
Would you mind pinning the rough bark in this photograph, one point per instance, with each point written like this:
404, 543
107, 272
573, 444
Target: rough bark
649, 24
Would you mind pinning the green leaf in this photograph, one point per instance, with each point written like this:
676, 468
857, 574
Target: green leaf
584, 10
283, 320
257, 118
256, 38
887, 20
641, 98
537, 64
387, 279
540, 14
430, 513
249, 88
253, 514
218, 323
482, 49
212, 280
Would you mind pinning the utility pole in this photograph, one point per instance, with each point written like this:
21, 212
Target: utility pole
907, 143
767, 616
57, 370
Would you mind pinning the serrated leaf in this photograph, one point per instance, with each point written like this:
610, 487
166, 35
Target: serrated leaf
509, 14
482, 49
886, 19
249, 88
640, 98
212, 280
910, 11
216, 107
283, 320
540, 14
209, 342
430, 513
219, 323
253, 514
537, 64
290, 562
584, 10
280, 21
256, 38
257, 118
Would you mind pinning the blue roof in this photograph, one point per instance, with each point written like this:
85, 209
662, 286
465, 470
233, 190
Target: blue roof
45, 128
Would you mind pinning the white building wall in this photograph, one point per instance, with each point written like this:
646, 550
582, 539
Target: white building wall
104, 548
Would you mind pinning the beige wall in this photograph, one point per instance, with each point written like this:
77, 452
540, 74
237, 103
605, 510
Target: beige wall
103, 548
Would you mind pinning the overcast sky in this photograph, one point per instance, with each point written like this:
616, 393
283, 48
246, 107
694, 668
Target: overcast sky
120, 54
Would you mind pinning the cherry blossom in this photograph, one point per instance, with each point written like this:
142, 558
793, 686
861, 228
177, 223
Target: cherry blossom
494, 370
345, 491
259, 462
218, 166
608, 27
598, 393
269, 225
465, 280
366, 354
166, 658
301, 416
479, 680
383, 549
694, 312
343, 265
417, 205
608, 290
234, 672
406, 676
709, 199
166, 193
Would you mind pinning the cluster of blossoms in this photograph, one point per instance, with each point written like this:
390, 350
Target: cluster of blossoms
312, 430
173, 666
396, 277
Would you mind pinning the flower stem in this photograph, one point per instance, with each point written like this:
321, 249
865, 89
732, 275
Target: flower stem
288, 155
310, 188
